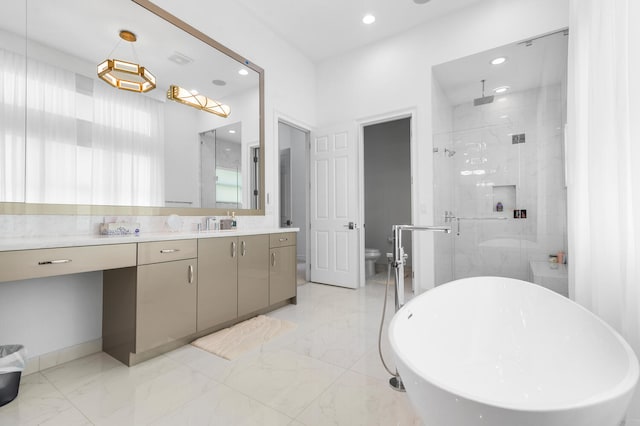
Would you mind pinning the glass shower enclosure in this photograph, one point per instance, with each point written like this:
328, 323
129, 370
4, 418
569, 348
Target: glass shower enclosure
499, 177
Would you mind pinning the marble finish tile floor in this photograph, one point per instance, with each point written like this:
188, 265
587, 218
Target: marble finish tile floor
325, 372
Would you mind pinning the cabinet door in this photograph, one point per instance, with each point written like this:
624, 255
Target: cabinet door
282, 274
253, 273
217, 281
166, 303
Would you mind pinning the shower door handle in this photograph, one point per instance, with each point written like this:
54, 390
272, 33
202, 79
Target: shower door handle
481, 218
458, 219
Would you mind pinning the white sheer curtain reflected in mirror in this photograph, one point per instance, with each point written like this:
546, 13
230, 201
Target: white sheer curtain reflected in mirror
12, 121
86, 143
127, 149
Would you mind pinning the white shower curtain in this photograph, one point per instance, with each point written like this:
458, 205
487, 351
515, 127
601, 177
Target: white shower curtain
603, 152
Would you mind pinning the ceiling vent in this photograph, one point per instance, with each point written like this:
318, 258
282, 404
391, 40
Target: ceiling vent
180, 58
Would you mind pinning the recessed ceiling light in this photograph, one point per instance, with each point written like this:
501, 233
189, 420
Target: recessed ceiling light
219, 82
498, 61
504, 116
421, 1
243, 72
501, 89
232, 131
369, 19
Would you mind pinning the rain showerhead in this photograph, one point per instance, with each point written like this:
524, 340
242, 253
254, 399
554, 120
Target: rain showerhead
484, 99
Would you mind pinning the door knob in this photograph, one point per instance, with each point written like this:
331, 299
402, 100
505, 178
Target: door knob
351, 225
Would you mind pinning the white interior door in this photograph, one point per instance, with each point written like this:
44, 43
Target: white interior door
334, 207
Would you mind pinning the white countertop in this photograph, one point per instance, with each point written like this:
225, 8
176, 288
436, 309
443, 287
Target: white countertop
28, 243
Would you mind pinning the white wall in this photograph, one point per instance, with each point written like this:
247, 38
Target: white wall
181, 155
49, 314
395, 74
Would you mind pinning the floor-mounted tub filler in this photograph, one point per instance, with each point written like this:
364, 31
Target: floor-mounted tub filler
503, 352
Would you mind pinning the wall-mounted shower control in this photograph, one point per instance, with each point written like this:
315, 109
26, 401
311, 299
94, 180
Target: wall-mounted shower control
519, 138
448, 216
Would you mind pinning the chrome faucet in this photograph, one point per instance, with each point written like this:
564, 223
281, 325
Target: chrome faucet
399, 257
397, 261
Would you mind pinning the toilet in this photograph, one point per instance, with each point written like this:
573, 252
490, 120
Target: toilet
370, 257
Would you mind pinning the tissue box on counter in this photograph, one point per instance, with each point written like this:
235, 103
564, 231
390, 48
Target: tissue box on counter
119, 228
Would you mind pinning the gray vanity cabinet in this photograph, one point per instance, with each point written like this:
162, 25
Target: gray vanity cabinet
166, 299
282, 267
166, 292
253, 273
217, 281
180, 290
233, 280
151, 307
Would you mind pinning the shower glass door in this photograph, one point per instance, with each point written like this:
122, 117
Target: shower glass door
499, 184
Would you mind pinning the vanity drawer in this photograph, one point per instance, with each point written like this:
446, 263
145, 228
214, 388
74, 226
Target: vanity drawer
165, 251
282, 239
25, 264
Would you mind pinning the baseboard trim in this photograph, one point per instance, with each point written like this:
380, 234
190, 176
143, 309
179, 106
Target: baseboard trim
61, 356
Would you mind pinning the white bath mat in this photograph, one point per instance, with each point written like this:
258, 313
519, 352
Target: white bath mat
233, 341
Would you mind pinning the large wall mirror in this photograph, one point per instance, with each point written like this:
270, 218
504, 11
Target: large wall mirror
119, 107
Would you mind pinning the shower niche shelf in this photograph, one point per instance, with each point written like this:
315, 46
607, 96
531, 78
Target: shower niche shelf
504, 195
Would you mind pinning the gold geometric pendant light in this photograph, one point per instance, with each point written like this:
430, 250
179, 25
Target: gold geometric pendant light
126, 75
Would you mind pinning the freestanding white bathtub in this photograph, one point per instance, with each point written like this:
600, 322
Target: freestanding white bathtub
504, 352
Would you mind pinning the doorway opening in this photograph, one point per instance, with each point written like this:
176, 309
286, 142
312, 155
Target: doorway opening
293, 144
387, 193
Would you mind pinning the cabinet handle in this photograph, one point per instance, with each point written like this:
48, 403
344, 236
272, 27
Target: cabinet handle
233, 249
164, 251
54, 262
190, 274
282, 240
273, 259
244, 248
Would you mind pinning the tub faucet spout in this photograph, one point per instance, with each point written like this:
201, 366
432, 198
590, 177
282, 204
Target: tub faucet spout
397, 260
399, 256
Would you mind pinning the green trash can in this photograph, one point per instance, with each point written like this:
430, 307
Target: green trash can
13, 358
